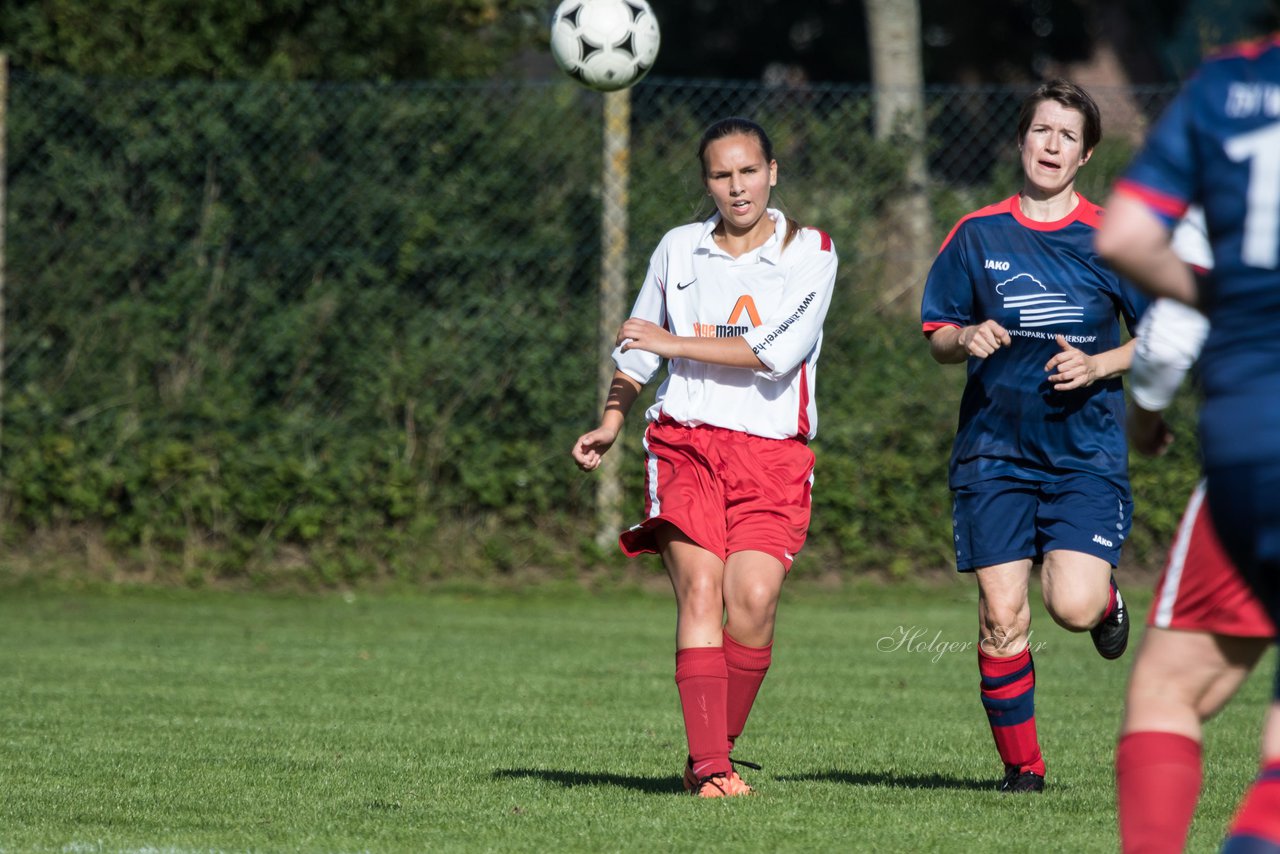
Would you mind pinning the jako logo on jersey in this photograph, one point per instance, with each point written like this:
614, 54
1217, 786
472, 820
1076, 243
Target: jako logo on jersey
995, 265
1039, 307
1103, 541
731, 329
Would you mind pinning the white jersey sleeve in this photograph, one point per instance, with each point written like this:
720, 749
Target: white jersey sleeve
1170, 333
786, 339
1170, 336
1190, 239
651, 304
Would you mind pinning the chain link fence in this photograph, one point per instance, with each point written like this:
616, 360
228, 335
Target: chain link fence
332, 322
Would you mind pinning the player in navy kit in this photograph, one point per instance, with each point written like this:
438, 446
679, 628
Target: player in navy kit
1205, 630
735, 307
1218, 146
1039, 467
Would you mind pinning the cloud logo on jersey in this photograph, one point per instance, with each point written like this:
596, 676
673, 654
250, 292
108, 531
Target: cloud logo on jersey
1037, 307
745, 305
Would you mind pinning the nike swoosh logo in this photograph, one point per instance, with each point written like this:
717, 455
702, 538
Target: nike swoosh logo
681, 287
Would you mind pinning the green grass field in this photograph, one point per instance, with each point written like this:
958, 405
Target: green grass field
142, 721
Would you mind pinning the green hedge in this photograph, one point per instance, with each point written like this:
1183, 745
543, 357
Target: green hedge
347, 333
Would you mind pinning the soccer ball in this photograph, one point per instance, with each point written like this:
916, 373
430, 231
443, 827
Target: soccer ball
605, 44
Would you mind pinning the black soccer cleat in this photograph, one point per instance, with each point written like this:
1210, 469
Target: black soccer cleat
1111, 635
1016, 781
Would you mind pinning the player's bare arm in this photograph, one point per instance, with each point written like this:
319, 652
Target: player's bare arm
951, 344
1074, 368
1136, 245
637, 334
590, 448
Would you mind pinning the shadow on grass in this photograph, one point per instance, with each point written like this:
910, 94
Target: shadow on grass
573, 779
897, 781
667, 785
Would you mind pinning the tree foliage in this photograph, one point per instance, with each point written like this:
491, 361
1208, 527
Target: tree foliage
781, 41
978, 41
273, 39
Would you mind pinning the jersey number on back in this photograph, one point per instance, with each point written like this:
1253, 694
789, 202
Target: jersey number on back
1262, 212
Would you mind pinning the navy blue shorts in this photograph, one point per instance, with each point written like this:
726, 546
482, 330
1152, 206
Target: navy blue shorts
1002, 520
1244, 502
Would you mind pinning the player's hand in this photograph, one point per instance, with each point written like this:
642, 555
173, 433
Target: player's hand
1148, 432
1072, 368
590, 448
984, 339
637, 334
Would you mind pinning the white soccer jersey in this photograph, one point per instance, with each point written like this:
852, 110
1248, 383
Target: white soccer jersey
775, 299
1171, 334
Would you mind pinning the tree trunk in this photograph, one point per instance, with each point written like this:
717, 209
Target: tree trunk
897, 73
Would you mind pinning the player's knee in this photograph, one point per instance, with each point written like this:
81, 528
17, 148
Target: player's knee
1006, 623
1001, 641
1076, 616
756, 601
752, 626
1073, 621
701, 594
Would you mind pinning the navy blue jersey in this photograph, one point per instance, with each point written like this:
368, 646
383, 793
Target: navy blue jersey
1038, 280
1218, 145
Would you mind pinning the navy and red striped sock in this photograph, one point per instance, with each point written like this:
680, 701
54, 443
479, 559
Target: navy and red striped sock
1111, 602
1158, 776
747, 667
1256, 828
1008, 695
702, 679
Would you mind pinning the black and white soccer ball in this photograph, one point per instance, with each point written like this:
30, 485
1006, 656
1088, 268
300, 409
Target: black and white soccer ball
605, 44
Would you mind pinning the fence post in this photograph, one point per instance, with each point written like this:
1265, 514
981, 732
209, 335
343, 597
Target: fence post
613, 289
4, 214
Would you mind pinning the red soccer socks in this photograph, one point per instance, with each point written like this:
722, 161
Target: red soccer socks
1158, 776
747, 666
702, 679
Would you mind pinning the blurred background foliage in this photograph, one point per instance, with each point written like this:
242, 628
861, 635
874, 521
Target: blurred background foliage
306, 292
335, 332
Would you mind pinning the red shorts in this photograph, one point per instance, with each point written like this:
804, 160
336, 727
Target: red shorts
1200, 589
726, 490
